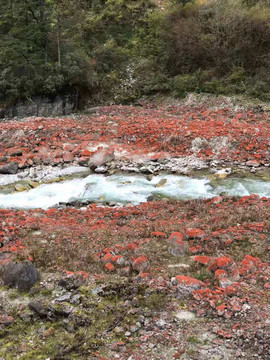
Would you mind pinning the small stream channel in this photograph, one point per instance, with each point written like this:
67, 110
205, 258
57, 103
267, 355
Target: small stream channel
130, 189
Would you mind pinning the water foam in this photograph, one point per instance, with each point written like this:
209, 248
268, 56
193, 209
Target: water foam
129, 189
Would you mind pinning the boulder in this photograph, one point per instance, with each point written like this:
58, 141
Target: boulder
100, 158
9, 169
20, 275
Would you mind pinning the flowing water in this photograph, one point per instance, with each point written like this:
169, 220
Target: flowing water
130, 189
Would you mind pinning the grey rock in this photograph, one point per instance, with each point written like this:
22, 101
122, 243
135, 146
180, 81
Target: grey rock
41, 106
39, 308
41, 330
185, 315
9, 169
26, 317
161, 324
76, 299
63, 298
20, 275
61, 310
70, 282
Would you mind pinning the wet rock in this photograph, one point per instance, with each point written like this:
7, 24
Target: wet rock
9, 169
19, 187
100, 158
101, 170
20, 275
161, 183
223, 173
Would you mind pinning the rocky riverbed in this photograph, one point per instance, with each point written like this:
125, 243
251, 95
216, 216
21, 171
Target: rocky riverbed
164, 279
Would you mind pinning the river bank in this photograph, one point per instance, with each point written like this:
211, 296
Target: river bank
164, 279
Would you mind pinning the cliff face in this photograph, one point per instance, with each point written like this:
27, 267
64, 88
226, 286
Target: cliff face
41, 106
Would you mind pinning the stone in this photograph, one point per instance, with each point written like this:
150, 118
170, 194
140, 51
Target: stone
222, 262
178, 247
5, 258
161, 324
253, 163
195, 233
6, 320
189, 281
63, 298
68, 157
161, 183
60, 310
141, 264
39, 308
185, 315
118, 260
15, 151
204, 260
19, 187
100, 158
126, 271
186, 285
71, 282
101, 170
110, 267
76, 299
9, 169
22, 275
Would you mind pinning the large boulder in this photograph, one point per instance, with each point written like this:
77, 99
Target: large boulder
9, 169
100, 158
21, 275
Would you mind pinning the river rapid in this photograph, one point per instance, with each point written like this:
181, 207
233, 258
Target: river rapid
134, 189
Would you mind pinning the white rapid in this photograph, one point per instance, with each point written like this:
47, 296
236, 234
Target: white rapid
129, 189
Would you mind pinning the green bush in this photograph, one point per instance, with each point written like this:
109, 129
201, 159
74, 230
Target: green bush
119, 50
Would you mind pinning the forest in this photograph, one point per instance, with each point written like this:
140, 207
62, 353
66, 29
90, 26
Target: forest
116, 51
